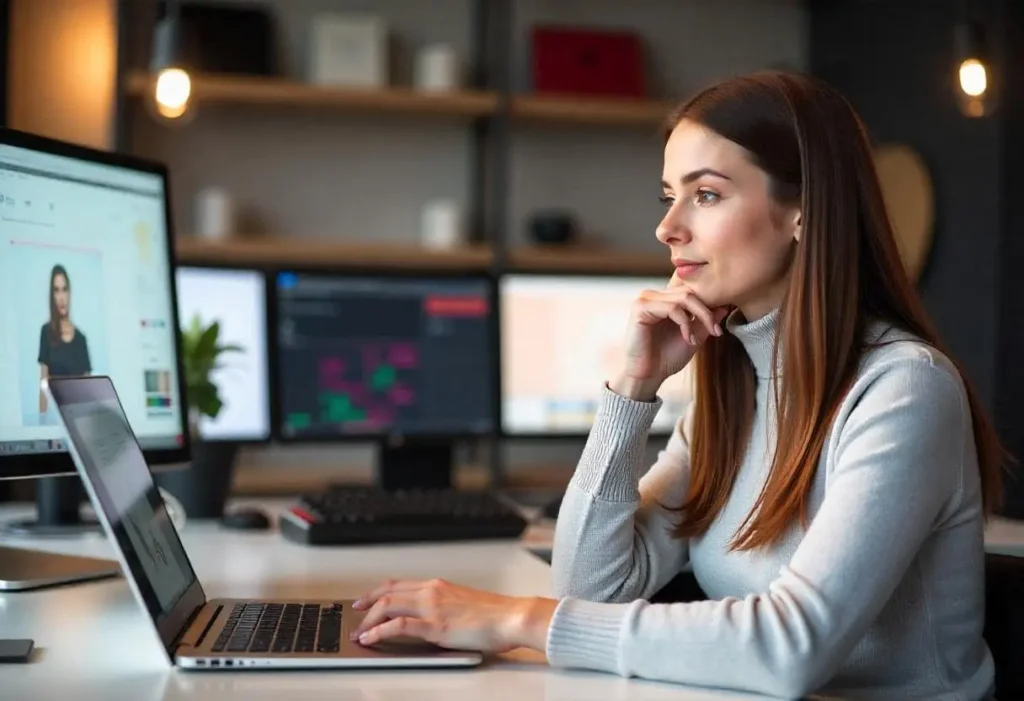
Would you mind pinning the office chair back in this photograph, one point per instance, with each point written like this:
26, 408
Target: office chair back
1004, 622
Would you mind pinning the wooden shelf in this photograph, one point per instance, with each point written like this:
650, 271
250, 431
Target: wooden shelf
586, 110
246, 90
287, 250
256, 90
298, 251
588, 259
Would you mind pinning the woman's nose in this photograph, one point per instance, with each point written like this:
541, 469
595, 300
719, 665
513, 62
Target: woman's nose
671, 229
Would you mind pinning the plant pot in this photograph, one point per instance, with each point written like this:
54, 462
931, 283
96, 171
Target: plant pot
203, 488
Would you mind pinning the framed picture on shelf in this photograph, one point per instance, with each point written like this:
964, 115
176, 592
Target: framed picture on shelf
348, 50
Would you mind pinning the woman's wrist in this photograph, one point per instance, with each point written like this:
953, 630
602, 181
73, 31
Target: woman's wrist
640, 390
530, 621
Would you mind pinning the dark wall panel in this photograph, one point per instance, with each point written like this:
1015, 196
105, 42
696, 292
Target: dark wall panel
894, 61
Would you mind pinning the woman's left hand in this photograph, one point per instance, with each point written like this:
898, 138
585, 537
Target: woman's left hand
453, 616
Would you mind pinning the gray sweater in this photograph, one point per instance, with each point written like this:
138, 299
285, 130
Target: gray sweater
882, 597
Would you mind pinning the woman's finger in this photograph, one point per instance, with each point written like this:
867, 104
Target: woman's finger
387, 607
694, 305
392, 585
700, 310
682, 319
399, 627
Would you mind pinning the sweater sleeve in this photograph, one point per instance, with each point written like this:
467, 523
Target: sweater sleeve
896, 464
613, 537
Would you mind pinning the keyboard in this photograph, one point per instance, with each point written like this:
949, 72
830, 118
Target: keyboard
367, 515
276, 628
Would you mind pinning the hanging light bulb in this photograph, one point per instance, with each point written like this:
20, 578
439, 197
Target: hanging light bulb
172, 90
975, 93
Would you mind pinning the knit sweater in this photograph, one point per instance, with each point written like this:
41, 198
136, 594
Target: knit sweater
880, 597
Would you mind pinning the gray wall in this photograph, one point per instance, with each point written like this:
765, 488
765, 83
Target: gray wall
318, 174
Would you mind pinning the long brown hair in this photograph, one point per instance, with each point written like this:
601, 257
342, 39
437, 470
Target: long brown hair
846, 270
54, 312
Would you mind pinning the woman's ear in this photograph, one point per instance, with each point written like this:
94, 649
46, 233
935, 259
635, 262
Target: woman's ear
797, 225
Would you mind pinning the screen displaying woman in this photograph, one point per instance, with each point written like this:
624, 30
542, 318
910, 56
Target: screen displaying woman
63, 348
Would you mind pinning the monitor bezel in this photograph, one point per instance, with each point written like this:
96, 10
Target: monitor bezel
267, 340
550, 436
61, 464
395, 438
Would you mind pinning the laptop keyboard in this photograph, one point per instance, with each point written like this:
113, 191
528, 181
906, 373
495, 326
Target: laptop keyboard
278, 628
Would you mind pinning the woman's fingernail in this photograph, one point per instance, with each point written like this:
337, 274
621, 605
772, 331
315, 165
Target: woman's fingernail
357, 604
364, 637
718, 329
693, 339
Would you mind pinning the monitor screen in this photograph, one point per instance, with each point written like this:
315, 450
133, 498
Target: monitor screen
380, 356
237, 300
562, 338
85, 288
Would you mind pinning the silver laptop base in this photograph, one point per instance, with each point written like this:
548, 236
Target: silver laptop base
22, 569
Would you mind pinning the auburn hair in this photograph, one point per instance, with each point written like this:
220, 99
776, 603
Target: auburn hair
846, 271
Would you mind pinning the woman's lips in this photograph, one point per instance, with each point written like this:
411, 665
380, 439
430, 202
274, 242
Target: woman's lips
685, 269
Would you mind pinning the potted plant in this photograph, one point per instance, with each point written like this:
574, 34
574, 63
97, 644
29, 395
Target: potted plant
203, 488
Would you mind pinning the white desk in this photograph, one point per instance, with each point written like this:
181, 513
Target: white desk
94, 641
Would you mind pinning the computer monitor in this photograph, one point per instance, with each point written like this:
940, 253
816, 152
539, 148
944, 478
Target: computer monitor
235, 298
407, 361
562, 338
85, 288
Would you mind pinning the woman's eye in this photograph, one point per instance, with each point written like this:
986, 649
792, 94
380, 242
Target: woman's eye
706, 197
666, 200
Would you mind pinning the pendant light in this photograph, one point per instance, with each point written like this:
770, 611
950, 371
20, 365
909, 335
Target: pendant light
974, 75
172, 91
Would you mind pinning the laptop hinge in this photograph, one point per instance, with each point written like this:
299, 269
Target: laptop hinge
188, 624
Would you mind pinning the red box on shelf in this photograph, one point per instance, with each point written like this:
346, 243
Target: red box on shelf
587, 62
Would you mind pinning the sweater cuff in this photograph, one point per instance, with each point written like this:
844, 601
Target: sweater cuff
586, 635
616, 441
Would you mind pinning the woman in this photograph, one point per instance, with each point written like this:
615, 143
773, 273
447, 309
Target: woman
63, 349
830, 484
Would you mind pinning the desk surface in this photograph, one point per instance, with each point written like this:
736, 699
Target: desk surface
94, 642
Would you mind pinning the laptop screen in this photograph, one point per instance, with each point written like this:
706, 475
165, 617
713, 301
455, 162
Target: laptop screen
121, 482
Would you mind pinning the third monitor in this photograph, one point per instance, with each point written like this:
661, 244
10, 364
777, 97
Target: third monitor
562, 338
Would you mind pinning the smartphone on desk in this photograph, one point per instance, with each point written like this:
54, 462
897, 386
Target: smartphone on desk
15, 650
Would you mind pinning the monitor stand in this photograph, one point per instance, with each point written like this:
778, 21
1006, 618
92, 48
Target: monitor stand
58, 505
415, 464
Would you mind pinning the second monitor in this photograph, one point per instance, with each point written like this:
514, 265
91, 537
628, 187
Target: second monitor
407, 361
236, 299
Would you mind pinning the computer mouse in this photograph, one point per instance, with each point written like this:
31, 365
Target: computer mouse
246, 519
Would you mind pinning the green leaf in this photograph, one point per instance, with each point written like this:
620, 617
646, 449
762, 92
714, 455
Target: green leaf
201, 352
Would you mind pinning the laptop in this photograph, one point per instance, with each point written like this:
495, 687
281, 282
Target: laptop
198, 633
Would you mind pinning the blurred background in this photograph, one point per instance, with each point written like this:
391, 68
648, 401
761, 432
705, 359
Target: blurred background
522, 136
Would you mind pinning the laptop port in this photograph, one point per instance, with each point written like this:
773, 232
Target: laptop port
228, 663
215, 663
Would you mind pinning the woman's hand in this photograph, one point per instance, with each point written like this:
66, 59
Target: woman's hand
665, 329
454, 617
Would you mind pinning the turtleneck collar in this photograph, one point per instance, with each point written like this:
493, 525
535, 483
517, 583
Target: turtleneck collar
757, 338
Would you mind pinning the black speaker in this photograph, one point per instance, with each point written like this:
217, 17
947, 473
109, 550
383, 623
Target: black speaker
226, 38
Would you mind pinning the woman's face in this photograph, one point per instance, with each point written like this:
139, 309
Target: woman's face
61, 294
731, 241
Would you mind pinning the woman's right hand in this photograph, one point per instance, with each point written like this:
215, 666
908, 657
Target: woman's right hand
665, 329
